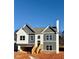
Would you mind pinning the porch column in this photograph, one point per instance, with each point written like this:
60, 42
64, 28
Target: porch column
57, 36
19, 48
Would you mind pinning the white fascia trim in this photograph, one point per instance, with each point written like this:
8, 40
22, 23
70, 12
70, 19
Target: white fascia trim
20, 29
24, 25
45, 29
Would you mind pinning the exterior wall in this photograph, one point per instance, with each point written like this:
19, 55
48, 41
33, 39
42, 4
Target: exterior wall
36, 39
20, 33
31, 41
53, 44
49, 42
53, 36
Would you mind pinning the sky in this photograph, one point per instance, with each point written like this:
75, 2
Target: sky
38, 13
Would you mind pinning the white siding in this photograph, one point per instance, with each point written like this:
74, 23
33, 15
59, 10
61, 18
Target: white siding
20, 33
36, 38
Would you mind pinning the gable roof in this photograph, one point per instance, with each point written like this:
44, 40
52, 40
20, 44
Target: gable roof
48, 29
29, 30
38, 30
54, 28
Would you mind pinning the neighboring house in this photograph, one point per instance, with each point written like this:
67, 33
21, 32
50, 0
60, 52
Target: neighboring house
29, 37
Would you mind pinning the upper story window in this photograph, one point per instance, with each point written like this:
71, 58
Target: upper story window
38, 37
22, 37
49, 37
32, 37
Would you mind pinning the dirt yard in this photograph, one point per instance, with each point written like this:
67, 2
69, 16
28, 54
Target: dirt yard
42, 55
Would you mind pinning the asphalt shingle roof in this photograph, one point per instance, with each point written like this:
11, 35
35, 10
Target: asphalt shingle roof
29, 30
38, 30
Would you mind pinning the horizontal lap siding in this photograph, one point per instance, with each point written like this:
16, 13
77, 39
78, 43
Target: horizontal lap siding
22, 33
53, 36
31, 41
53, 44
49, 42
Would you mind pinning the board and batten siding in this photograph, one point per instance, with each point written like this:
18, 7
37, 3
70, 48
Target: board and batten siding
22, 33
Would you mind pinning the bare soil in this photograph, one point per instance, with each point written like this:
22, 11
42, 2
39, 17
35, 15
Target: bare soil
42, 55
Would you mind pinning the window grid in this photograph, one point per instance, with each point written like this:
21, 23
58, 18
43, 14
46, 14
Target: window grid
22, 37
48, 37
32, 37
49, 47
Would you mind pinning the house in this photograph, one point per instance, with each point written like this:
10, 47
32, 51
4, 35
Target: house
38, 39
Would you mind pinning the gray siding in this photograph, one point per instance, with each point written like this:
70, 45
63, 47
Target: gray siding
31, 40
53, 37
53, 44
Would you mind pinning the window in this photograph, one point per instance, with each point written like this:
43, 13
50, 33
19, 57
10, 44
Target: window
49, 47
48, 37
22, 37
32, 37
38, 37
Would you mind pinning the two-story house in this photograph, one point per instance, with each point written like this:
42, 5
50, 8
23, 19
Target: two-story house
44, 39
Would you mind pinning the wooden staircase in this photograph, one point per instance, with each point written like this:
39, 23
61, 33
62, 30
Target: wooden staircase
33, 49
36, 49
